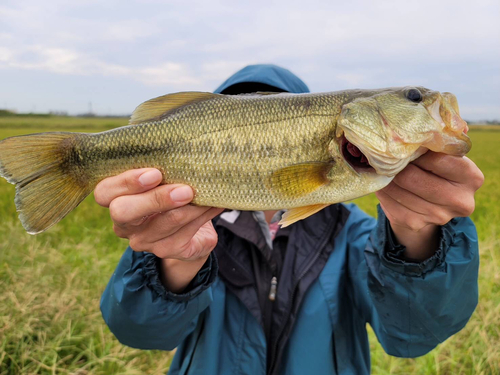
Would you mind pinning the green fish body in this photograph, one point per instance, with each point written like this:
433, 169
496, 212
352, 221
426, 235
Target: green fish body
264, 151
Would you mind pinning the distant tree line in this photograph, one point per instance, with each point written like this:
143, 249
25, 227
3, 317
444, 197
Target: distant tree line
8, 112
484, 122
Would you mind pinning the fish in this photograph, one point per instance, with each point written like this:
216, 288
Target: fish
261, 151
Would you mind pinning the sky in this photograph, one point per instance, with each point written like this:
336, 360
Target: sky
59, 55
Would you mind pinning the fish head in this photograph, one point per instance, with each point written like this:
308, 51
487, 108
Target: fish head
382, 131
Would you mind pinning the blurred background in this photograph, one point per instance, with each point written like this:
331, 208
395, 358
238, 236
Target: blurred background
85, 65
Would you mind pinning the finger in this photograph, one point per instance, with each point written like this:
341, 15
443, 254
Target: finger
452, 199
132, 208
196, 244
131, 182
178, 243
203, 241
426, 185
168, 223
400, 215
413, 202
129, 229
453, 168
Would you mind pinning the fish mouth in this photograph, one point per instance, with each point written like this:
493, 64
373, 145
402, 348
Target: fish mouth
373, 162
452, 139
354, 157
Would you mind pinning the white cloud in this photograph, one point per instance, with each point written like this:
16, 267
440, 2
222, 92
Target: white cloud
166, 74
352, 79
69, 62
5, 55
39, 58
130, 30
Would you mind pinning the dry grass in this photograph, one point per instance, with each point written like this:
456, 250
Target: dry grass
49, 307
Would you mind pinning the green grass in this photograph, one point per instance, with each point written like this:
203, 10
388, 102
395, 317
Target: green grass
50, 284
15, 125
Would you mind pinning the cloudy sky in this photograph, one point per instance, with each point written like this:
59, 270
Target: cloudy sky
61, 55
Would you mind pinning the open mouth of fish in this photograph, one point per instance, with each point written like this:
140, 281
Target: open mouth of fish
354, 157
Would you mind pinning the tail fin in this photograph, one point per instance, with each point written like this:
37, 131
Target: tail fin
47, 188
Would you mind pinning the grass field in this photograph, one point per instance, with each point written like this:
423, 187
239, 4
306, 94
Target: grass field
50, 284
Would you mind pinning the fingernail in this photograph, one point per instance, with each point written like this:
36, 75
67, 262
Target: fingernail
181, 194
150, 177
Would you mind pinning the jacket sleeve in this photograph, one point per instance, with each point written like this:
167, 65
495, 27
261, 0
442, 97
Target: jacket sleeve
142, 313
412, 306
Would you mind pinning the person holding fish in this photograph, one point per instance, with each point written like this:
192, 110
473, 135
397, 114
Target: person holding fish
233, 299
233, 290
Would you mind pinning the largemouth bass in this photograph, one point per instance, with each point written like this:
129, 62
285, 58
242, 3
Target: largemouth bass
262, 151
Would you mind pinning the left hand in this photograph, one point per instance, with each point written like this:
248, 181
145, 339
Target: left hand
428, 193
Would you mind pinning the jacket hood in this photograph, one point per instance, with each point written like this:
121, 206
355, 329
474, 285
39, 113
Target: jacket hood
267, 74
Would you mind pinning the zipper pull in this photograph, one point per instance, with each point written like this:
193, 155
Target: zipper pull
272, 291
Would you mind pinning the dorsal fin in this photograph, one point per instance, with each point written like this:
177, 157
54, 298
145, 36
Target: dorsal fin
154, 108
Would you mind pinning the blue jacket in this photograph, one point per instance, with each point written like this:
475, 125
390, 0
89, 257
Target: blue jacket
340, 269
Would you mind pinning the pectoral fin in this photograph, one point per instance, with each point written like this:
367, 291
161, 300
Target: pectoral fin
300, 179
299, 213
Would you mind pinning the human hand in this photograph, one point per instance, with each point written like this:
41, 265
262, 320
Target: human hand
158, 219
428, 193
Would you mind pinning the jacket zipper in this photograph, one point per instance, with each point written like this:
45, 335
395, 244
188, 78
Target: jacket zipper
272, 289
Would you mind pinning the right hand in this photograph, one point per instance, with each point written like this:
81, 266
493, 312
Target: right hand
158, 219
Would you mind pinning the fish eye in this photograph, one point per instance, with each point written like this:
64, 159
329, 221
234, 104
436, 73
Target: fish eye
414, 95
